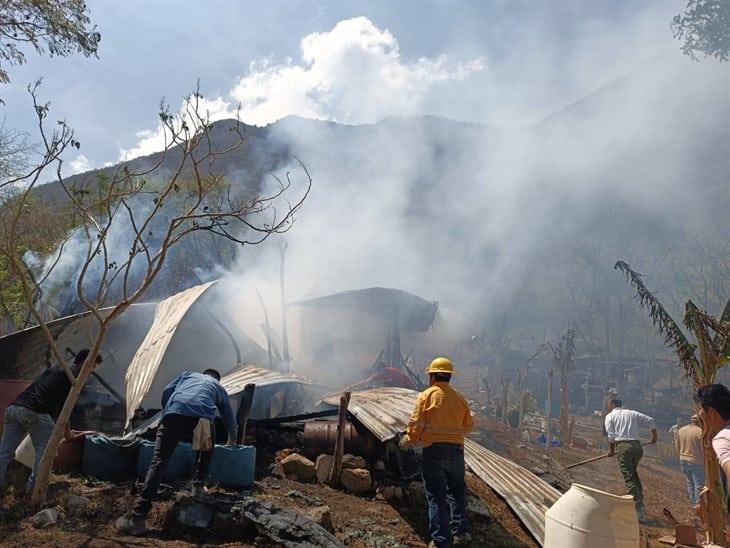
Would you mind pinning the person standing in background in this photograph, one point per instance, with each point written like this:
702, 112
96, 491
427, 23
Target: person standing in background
688, 441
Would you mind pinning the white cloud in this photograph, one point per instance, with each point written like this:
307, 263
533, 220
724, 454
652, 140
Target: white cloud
80, 164
353, 73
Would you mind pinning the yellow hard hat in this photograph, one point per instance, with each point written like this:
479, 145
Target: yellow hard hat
441, 365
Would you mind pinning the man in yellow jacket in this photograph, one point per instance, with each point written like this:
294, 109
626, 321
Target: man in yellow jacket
439, 422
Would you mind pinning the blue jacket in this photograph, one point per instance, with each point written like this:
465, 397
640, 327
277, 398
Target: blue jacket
197, 395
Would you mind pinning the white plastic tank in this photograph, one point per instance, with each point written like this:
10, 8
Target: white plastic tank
589, 518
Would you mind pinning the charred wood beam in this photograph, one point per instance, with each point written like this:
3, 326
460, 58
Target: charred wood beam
244, 409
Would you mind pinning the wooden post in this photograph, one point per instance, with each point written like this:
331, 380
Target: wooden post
549, 409
284, 326
268, 329
244, 409
334, 476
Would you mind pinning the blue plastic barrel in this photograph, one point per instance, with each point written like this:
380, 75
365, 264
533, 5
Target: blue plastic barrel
233, 467
109, 459
179, 467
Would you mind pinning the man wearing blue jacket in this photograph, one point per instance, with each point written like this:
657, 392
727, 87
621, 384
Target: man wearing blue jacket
187, 399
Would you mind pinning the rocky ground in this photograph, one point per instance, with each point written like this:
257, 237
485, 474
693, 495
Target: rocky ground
376, 509
392, 515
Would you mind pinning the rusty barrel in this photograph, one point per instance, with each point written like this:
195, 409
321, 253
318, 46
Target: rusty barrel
320, 437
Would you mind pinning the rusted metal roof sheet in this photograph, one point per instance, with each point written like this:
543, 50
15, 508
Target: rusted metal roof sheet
168, 315
26, 353
385, 413
235, 382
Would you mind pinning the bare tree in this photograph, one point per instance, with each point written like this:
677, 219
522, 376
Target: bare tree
60, 27
714, 353
159, 201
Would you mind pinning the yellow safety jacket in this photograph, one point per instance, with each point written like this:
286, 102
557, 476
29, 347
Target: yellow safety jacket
441, 416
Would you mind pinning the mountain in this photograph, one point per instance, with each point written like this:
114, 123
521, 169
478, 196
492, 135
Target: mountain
492, 222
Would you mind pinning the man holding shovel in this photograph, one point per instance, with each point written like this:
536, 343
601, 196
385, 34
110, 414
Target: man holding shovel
622, 427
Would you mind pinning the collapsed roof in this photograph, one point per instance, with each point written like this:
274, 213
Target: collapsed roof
413, 313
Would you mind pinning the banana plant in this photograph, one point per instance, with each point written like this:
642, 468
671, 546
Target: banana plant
714, 353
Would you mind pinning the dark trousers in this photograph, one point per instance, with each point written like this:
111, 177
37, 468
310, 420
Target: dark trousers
172, 430
628, 455
443, 479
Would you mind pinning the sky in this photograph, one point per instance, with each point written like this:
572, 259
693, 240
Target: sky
499, 63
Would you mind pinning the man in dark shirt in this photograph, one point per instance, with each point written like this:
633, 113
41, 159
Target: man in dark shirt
187, 399
34, 412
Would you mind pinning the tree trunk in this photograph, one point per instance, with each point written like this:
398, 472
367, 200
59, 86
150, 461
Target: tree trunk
563, 406
44, 469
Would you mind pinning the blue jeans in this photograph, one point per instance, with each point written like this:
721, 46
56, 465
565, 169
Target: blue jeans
695, 474
443, 479
20, 421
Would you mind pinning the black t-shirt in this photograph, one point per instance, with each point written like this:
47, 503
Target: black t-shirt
47, 393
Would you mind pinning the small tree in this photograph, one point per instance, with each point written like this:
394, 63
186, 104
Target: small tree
714, 353
159, 201
564, 359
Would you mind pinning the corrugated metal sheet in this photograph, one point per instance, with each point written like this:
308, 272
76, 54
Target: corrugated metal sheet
168, 315
527, 495
235, 382
26, 353
385, 412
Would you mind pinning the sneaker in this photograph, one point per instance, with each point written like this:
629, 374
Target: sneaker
461, 539
131, 525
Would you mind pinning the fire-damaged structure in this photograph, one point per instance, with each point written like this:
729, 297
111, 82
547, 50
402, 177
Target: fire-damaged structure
152, 343
364, 326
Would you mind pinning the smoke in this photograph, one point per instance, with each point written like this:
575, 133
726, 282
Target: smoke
493, 223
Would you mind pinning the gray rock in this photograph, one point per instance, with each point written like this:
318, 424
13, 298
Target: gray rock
46, 517
351, 461
322, 467
193, 514
298, 468
76, 503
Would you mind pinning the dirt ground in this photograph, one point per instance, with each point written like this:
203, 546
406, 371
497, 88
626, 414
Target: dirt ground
664, 486
358, 521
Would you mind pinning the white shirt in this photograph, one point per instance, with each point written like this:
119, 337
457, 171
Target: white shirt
623, 424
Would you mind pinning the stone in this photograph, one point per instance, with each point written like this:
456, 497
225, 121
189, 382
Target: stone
323, 466
283, 526
379, 466
193, 514
46, 517
298, 468
76, 503
321, 515
387, 492
351, 461
356, 480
